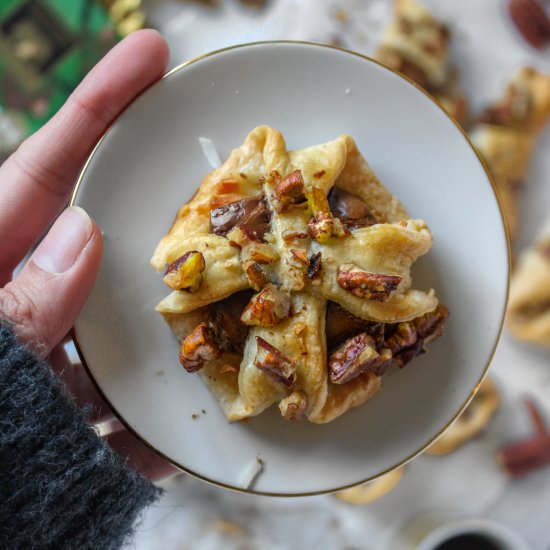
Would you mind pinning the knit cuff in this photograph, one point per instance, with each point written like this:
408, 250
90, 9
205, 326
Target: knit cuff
61, 486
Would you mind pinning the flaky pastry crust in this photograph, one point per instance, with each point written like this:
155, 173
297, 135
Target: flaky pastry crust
294, 186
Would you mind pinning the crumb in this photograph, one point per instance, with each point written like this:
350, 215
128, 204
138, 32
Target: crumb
194, 416
203, 411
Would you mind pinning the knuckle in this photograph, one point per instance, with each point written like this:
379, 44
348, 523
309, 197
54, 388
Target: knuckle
18, 308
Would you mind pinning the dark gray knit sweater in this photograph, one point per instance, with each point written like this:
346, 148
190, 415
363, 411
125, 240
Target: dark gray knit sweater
61, 486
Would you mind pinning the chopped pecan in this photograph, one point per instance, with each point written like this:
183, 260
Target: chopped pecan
320, 227
198, 348
407, 340
300, 254
267, 308
293, 407
430, 325
404, 336
289, 192
289, 236
363, 284
263, 254
314, 265
274, 363
257, 277
355, 356
186, 272
260, 252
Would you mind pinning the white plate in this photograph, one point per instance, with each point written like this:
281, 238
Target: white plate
150, 162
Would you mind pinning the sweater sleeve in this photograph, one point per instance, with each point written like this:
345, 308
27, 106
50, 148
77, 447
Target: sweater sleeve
61, 486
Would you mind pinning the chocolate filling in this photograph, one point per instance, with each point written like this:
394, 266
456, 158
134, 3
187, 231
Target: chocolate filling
342, 325
225, 318
351, 210
251, 214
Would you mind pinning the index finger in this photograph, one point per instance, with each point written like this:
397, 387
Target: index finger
36, 181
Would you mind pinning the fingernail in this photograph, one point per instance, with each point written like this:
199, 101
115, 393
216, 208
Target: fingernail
64, 242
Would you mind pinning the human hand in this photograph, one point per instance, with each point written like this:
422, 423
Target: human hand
42, 302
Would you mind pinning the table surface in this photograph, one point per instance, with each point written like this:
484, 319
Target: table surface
467, 483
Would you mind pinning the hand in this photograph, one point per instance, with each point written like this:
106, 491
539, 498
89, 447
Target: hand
43, 301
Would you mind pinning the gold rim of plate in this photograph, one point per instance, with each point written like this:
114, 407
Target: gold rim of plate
186, 470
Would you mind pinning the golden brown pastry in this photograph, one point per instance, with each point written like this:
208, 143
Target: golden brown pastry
529, 303
471, 422
373, 490
291, 280
417, 45
505, 136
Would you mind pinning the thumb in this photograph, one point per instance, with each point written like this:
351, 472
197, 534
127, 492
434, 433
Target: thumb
44, 300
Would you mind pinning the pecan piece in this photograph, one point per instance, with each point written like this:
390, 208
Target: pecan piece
257, 277
355, 356
410, 339
314, 266
267, 308
274, 363
300, 255
198, 347
289, 192
289, 236
293, 407
404, 336
186, 272
321, 227
363, 284
430, 325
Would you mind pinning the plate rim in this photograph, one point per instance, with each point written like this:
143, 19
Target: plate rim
498, 335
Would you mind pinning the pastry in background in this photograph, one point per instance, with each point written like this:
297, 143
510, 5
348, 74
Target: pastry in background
529, 303
471, 422
505, 136
373, 490
417, 45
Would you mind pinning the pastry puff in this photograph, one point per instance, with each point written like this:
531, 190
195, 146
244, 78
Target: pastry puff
506, 135
417, 45
529, 303
295, 326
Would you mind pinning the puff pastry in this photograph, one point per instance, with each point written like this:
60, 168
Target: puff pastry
529, 303
416, 44
506, 134
471, 422
291, 278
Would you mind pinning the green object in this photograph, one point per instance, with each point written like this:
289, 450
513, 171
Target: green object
46, 48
